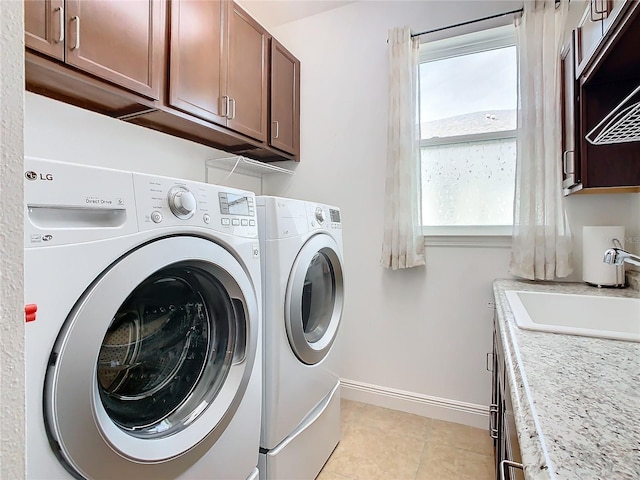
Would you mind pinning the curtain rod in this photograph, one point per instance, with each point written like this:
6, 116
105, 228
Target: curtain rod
520, 10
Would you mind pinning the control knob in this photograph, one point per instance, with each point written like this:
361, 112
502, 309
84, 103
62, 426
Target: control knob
320, 215
182, 202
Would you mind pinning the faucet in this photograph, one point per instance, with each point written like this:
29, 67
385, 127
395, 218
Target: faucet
617, 256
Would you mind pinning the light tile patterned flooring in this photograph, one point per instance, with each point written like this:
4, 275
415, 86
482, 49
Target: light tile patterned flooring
382, 444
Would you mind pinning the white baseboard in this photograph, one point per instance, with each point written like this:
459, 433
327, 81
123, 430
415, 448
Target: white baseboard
424, 405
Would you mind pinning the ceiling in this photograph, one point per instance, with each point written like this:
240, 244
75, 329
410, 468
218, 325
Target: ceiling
271, 13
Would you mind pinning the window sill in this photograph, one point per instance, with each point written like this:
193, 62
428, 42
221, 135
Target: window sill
468, 236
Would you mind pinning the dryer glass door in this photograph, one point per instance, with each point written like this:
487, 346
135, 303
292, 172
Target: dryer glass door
315, 299
153, 361
318, 296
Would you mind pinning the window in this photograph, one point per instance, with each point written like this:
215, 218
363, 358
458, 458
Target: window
468, 100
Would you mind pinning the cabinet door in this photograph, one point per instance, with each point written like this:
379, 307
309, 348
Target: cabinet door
589, 33
247, 75
510, 435
570, 120
285, 100
197, 64
506, 447
615, 9
44, 26
121, 42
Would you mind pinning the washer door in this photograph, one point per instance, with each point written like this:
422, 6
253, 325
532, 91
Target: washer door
154, 358
314, 299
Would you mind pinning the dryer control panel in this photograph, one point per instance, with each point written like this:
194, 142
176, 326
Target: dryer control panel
323, 216
164, 201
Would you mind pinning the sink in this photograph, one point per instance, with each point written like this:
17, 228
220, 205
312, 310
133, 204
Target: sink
588, 315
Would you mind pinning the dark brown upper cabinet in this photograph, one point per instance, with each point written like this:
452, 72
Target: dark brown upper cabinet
218, 65
197, 62
247, 75
44, 22
595, 25
120, 42
570, 119
285, 100
209, 84
600, 153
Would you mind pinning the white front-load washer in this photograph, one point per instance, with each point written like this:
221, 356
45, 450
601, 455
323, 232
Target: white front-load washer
143, 302
303, 295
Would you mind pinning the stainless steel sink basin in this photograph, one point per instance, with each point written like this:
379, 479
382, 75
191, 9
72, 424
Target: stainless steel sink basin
593, 316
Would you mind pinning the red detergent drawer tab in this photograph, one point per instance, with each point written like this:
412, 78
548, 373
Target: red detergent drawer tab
30, 310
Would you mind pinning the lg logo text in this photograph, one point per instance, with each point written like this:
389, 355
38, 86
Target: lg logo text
31, 175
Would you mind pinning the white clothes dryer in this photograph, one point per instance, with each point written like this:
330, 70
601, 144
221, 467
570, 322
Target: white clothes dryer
303, 295
143, 352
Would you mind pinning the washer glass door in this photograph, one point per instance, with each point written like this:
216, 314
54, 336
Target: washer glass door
153, 360
314, 299
167, 351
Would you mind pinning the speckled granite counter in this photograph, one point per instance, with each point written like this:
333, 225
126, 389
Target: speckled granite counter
576, 399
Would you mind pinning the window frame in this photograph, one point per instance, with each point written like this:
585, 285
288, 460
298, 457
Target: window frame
460, 45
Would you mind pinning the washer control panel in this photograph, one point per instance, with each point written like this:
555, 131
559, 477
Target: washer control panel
163, 202
182, 202
66, 203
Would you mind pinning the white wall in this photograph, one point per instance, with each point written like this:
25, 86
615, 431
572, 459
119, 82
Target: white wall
410, 339
12, 381
58, 131
609, 209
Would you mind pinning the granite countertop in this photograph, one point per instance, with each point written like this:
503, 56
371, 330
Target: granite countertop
576, 399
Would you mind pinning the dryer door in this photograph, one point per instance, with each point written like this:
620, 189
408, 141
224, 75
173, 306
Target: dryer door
153, 360
314, 299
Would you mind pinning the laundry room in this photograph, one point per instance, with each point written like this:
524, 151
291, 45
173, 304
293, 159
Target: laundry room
403, 370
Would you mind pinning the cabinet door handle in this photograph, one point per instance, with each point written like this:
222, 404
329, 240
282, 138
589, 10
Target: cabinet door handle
592, 10
493, 416
565, 171
225, 103
61, 20
77, 44
489, 365
605, 8
504, 464
600, 14
232, 103
277, 128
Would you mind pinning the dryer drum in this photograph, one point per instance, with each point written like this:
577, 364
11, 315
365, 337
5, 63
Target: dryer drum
318, 297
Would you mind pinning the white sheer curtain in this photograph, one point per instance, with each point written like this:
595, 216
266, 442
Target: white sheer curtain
541, 248
403, 244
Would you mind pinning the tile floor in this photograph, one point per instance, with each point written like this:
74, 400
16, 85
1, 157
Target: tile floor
382, 444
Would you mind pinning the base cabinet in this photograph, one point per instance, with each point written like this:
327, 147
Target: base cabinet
502, 427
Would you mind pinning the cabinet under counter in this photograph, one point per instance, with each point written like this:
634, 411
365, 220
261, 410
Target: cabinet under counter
575, 399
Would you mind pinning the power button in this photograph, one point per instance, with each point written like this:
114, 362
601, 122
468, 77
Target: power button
156, 217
